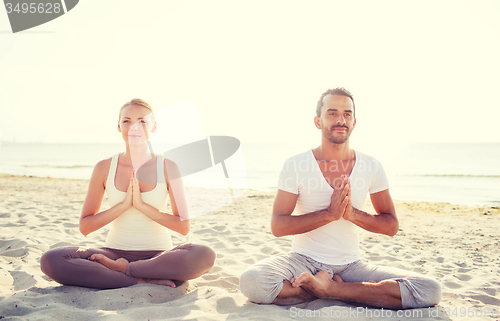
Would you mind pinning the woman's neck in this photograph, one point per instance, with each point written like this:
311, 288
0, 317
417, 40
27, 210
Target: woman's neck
138, 155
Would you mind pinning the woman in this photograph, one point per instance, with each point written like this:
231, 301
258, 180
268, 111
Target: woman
138, 248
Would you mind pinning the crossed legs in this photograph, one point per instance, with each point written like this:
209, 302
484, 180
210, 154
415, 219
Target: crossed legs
121, 264
111, 268
383, 294
294, 278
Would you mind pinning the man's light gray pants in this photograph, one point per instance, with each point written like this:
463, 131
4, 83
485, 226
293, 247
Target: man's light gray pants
262, 282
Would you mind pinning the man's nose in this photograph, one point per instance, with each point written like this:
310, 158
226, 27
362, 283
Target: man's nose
340, 120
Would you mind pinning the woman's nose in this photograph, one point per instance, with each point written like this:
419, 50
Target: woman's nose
135, 126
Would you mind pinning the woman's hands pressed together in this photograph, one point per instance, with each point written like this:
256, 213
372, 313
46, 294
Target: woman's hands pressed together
133, 197
136, 192
128, 201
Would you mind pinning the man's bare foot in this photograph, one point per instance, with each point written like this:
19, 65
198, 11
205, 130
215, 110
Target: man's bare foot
320, 285
169, 283
337, 278
118, 265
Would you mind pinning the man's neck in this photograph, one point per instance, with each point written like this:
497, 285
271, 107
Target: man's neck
329, 151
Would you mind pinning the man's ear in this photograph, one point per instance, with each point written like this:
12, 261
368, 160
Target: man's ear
317, 122
354, 124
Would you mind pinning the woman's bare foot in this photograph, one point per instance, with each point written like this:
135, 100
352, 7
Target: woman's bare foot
118, 265
169, 283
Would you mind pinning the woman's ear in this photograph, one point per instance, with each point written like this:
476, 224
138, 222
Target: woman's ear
119, 128
154, 128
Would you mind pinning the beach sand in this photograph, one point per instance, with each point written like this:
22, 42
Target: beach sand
458, 245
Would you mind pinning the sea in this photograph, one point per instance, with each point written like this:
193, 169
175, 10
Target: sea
457, 173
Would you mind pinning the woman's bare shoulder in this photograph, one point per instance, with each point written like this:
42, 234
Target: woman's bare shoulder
105, 163
101, 169
172, 171
169, 162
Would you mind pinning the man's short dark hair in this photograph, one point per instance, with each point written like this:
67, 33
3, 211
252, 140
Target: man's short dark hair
341, 91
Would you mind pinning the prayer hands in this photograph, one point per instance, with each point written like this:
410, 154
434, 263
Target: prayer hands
127, 202
133, 197
349, 210
136, 192
340, 200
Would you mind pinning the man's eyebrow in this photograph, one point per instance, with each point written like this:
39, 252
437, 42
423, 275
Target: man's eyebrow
333, 109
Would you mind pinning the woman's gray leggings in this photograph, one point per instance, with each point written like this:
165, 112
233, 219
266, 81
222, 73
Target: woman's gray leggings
71, 266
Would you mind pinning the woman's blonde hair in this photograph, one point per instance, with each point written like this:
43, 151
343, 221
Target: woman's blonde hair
138, 102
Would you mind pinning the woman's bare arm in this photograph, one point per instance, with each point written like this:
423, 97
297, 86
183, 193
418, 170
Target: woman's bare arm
91, 219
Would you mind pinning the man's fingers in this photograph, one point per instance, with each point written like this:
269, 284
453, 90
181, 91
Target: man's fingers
345, 191
338, 183
345, 202
349, 202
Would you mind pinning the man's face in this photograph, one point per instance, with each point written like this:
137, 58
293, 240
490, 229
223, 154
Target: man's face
337, 118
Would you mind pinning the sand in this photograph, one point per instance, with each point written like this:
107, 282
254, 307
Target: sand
457, 245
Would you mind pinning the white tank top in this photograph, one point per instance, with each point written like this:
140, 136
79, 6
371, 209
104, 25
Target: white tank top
133, 230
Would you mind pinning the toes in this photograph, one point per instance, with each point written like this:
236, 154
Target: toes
122, 260
337, 278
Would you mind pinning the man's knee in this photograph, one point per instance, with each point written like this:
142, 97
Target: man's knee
426, 292
252, 287
434, 292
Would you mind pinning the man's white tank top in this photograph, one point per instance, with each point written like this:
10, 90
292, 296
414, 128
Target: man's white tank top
133, 230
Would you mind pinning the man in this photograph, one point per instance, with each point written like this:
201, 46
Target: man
327, 186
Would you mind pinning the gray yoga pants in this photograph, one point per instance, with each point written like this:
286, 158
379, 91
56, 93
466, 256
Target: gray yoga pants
71, 266
262, 282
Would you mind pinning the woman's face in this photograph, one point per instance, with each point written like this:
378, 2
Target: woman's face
136, 123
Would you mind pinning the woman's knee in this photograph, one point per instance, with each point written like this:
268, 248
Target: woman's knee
199, 257
206, 255
50, 262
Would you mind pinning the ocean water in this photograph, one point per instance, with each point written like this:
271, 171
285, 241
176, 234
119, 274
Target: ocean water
459, 173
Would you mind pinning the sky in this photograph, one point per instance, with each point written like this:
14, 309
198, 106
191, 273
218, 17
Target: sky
420, 71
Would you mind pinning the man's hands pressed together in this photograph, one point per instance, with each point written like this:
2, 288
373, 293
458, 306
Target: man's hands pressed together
341, 204
384, 222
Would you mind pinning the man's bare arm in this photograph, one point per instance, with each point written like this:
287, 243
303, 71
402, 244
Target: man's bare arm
283, 223
384, 222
